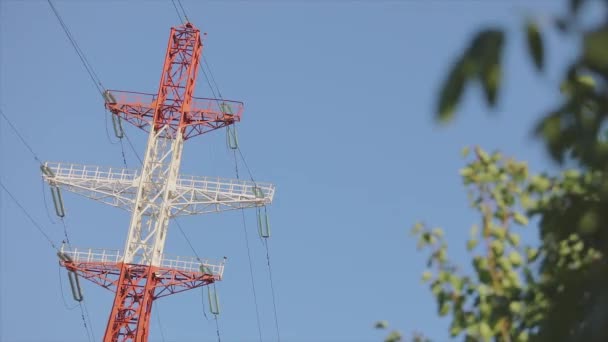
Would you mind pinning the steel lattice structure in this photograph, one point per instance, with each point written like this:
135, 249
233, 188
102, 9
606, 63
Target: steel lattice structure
156, 193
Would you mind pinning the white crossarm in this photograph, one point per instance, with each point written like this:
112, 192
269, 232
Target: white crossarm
192, 194
185, 264
114, 186
199, 195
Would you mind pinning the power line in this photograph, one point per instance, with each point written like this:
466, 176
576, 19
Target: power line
84, 322
255, 298
88, 316
92, 74
20, 137
274, 304
79, 52
65, 233
187, 240
160, 326
38, 227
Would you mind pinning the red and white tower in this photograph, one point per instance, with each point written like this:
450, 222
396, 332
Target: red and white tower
142, 272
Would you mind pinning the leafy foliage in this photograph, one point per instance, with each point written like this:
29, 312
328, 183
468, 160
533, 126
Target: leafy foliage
557, 289
513, 287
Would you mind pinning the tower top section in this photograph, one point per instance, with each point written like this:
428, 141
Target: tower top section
174, 107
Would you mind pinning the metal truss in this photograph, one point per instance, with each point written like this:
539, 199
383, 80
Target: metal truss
174, 275
156, 193
204, 115
193, 194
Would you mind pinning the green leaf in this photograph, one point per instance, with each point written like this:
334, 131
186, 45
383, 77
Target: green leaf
465, 151
490, 79
426, 276
497, 247
531, 254
595, 49
515, 258
588, 223
515, 307
394, 336
381, 325
485, 331
455, 329
471, 244
451, 91
416, 229
535, 44
520, 219
513, 239
438, 232
486, 51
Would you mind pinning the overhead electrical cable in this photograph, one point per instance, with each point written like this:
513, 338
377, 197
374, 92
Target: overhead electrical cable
92, 74
67, 239
79, 52
255, 298
274, 304
27, 214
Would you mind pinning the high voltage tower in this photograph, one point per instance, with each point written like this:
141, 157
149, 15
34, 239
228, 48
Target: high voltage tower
142, 273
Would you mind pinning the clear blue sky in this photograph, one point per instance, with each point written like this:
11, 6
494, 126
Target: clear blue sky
339, 100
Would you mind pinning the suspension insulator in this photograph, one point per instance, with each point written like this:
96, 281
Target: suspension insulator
226, 108
263, 224
117, 124
214, 303
232, 139
57, 201
75, 285
64, 257
205, 270
108, 97
257, 191
47, 171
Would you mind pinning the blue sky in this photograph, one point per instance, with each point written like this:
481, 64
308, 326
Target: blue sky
339, 99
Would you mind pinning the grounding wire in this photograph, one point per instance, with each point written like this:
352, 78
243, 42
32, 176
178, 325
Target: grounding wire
177, 11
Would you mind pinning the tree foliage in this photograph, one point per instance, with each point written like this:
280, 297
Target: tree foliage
556, 289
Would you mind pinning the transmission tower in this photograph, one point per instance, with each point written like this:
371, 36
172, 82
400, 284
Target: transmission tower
142, 273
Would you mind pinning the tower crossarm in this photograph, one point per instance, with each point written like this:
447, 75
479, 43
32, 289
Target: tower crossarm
114, 186
173, 275
199, 195
204, 114
192, 194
